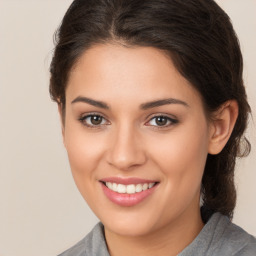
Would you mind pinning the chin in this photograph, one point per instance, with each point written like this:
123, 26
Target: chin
133, 222
123, 228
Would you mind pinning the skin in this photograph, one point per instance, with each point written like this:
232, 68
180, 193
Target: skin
129, 143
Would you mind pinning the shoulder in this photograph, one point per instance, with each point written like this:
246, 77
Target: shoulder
76, 250
93, 244
221, 237
236, 241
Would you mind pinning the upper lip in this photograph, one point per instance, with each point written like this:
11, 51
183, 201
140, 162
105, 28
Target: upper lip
127, 181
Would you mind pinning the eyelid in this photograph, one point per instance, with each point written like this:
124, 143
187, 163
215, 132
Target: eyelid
90, 114
173, 120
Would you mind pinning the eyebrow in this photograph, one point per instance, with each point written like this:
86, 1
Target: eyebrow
144, 106
158, 103
92, 102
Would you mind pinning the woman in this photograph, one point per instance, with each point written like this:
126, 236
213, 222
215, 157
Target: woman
153, 111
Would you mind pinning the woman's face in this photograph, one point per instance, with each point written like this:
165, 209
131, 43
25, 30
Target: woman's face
137, 138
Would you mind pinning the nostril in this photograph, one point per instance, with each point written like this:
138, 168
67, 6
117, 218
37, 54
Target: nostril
125, 160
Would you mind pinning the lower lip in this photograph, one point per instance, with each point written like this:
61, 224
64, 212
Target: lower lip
127, 199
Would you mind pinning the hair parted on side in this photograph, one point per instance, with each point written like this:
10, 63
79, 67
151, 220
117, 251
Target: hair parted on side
200, 40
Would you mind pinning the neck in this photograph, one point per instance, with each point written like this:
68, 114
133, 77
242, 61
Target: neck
168, 240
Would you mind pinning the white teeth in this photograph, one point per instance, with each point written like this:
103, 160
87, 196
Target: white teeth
129, 189
138, 188
145, 186
109, 185
114, 187
151, 185
121, 188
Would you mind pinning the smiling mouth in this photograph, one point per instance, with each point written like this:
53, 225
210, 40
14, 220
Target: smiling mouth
130, 188
128, 191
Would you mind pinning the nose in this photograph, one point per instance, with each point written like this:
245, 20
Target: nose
126, 150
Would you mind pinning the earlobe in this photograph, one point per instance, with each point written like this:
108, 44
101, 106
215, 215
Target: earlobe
222, 126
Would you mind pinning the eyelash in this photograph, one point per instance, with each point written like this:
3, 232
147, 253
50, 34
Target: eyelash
82, 119
169, 120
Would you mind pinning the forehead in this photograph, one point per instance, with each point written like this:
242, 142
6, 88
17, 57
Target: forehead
110, 72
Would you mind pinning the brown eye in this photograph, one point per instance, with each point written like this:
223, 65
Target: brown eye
96, 120
161, 120
93, 120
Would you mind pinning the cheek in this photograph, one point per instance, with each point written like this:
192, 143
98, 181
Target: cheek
181, 158
84, 153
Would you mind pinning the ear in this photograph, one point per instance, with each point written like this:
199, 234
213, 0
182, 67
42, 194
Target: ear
222, 125
62, 121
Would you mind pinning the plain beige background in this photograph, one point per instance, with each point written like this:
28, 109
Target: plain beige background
41, 211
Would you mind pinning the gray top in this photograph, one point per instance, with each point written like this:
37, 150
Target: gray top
219, 237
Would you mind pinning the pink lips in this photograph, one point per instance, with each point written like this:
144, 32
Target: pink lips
127, 199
